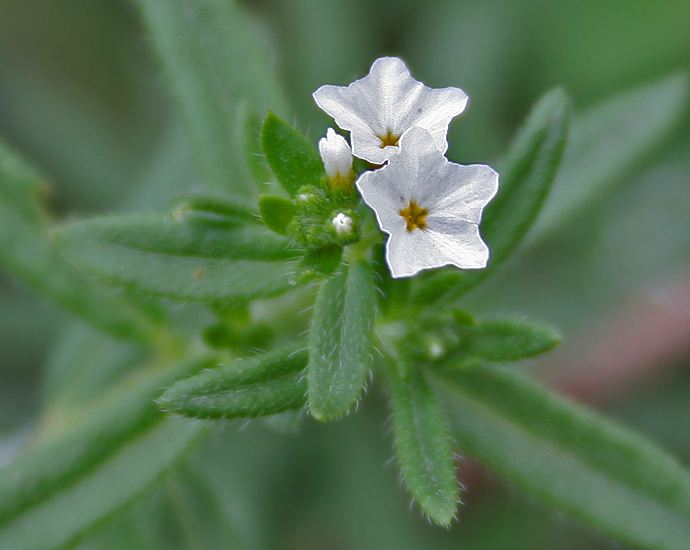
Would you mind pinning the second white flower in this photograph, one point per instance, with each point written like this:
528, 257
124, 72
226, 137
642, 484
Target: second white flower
430, 207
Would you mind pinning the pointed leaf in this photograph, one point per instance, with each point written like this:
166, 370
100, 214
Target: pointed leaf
212, 55
211, 211
340, 341
506, 340
575, 460
608, 140
179, 260
258, 386
293, 159
423, 446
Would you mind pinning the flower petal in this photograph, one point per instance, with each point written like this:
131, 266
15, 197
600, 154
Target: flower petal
388, 101
453, 196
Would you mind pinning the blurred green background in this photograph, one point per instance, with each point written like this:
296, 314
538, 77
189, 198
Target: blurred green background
81, 95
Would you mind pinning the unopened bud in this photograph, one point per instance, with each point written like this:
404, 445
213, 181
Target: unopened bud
343, 225
337, 158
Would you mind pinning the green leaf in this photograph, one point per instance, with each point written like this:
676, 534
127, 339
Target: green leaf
294, 160
577, 461
92, 464
607, 141
525, 180
179, 260
258, 386
214, 60
423, 446
251, 147
340, 341
277, 213
505, 340
27, 253
320, 261
211, 211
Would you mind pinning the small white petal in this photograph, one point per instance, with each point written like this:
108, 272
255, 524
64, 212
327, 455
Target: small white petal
336, 155
389, 101
453, 196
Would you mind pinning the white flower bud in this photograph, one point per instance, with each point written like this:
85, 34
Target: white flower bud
336, 155
343, 225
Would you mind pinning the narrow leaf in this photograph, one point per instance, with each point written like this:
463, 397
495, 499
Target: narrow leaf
608, 140
293, 159
506, 340
180, 260
258, 386
589, 467
525, 180
340, 341
109, 454
60, 521
423, 446
214, 60
211, 211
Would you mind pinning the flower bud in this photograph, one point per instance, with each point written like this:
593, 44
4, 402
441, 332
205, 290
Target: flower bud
337, 158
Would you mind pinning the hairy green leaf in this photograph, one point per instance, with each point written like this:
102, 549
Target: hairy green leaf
215, 62
293, 159
608, 140
96, 463
180, 260
211, 211
423, 446
505, 340
340, 341
525, 180
277, 213
320, 261
267, 384
570, 457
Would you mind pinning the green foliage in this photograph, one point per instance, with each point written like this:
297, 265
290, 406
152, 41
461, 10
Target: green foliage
267, 384
179, 260
211, 211
320, 261
214, 62
608, 140
569, 457
423, 446
340, 341
503, 340
102, 441
277, 213
98, 461
294, 161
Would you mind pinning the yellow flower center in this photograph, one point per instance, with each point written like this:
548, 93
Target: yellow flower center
389, 139
414, 216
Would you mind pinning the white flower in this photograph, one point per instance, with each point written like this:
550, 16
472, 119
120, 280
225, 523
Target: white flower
430, 207
336, 155
379, 108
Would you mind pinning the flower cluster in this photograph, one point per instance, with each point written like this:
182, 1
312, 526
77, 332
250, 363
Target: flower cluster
429, 207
